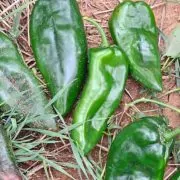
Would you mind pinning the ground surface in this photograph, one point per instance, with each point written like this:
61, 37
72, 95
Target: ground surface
167, 16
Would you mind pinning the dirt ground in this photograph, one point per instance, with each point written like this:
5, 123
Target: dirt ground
167, 16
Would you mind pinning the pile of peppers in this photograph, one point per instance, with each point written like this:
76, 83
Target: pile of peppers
96, 77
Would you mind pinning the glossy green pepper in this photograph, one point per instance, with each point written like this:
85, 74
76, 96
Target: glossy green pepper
59, 45
133, 28
8, 168
176, 176
108, 70
141, 150
20, 91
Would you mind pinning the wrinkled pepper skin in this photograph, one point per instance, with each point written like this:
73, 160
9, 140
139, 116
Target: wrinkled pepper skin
139, 151
176, 176
133, 28
59, 44
8, 168
20, 91
108, 71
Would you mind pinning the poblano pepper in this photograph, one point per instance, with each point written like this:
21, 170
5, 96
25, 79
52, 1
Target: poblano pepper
133, 28
8, 168
141, 150
20, 91
108, 70
59, 44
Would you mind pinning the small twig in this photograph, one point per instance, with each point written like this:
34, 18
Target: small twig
165, 64
157, 5
6, 24
169, 63
103, 172
128, 115
34, 170
102, 12
144, 100
122, 115
90, 26
128, 93
173, 164
9, 7
51, 174
169, 92
62, 148
132, 99
26, 53
170, 174
33, 165
102, 148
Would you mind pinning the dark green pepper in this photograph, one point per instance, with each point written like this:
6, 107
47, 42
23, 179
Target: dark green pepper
59, 45
19, 90
108, 70
8, 168
133, 28
141, 150
176, 176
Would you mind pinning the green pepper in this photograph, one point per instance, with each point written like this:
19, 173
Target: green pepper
176, 176
141, 150
108, 70
20, 91
59, 44
133, 28
8, 168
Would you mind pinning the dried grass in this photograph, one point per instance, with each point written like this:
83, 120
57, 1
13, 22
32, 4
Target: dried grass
167, 16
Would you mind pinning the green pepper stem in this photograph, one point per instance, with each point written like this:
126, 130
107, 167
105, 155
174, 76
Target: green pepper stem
100, 29
152, 101
170, 135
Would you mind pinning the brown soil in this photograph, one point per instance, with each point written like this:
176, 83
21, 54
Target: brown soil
167, 16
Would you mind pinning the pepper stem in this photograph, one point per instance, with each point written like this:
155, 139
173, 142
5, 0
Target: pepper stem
101, 31
170, 135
